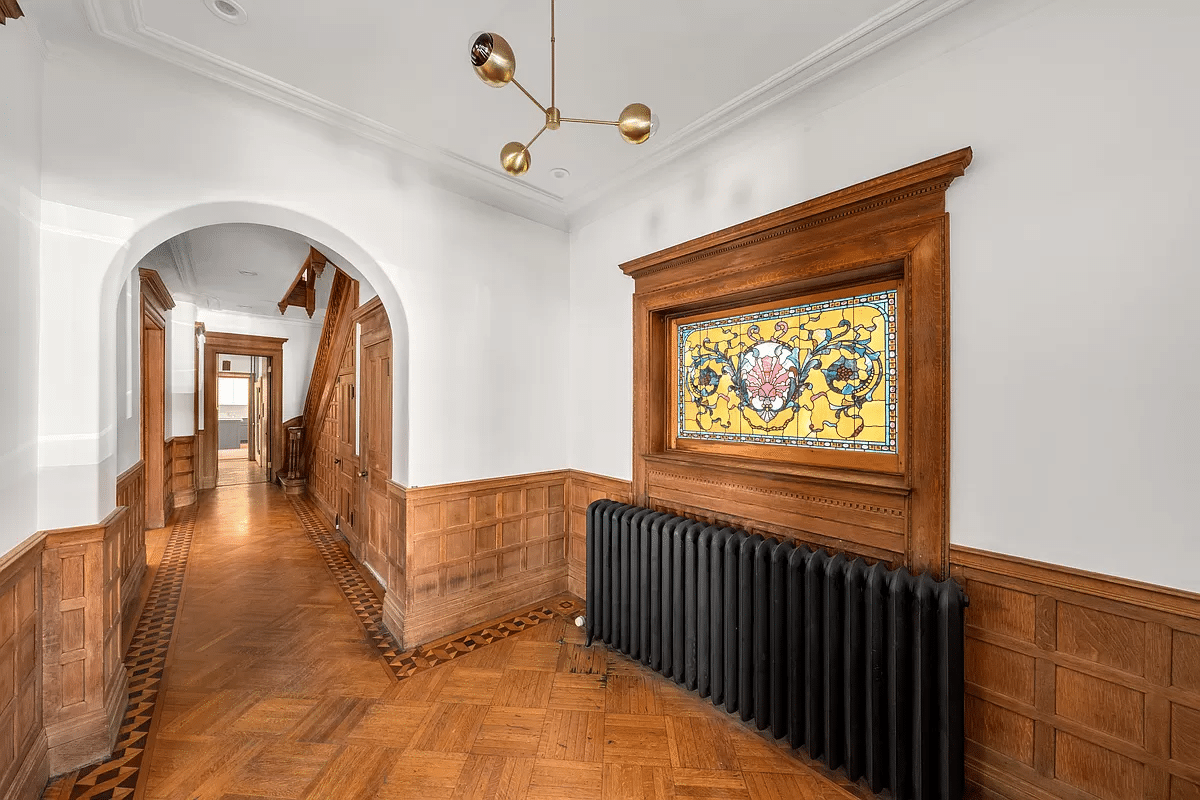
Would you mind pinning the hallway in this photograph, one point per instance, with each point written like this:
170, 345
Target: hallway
273, 688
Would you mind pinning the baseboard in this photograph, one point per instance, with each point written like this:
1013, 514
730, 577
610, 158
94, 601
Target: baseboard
324, 508
33, 770
185, 498
90, 736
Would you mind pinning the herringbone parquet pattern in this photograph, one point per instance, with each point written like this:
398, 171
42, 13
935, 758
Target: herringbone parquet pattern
272, 690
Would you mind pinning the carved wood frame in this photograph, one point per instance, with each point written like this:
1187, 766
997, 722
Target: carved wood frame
894, 226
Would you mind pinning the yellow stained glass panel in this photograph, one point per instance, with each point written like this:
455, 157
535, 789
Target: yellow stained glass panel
820, 375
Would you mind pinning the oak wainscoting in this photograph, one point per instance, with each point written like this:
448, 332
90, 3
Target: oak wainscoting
131, 494
479, 549
1078, 685
182, 475
586, 488
84, 681
23, 756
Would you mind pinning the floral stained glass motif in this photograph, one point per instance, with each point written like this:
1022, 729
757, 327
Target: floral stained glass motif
820, 375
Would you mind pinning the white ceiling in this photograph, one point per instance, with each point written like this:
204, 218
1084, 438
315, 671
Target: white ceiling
206, 265
398, 72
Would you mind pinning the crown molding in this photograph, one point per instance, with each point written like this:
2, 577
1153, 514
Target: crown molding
181, 254
122, 21
884, 29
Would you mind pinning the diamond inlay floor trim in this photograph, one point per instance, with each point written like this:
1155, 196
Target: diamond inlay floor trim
117, 777
369, 608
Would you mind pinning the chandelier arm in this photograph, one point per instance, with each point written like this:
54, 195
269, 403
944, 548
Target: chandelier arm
553, 58
590, 121
536, 137
527, 94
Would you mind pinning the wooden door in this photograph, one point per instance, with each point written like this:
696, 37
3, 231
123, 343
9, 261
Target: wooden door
153, 413
376, 436
264, 418
346, 461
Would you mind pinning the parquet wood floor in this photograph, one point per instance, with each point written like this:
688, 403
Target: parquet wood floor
237, 471
277, 687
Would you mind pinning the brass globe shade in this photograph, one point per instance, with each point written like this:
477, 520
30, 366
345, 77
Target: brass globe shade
493, 59
515, 158
636, 123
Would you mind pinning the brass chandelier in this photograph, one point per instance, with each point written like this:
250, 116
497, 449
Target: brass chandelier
496, 65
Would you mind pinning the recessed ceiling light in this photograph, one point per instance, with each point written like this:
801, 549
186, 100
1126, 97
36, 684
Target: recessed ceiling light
228, 10
246, 272
560, 172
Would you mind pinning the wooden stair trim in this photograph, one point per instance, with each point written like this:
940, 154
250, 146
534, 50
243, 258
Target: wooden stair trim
303, 291
335, 335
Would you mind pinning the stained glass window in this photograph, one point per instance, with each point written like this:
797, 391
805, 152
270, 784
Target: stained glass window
818, 375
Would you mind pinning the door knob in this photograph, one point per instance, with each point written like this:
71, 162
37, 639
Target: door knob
363, 474
337, 461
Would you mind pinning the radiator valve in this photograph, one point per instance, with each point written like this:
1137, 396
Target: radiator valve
580, 621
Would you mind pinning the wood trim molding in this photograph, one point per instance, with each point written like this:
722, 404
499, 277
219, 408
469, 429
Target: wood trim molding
303, 290
10, 9
934, 175
157, 291
893, 227
336, 332
1016, 570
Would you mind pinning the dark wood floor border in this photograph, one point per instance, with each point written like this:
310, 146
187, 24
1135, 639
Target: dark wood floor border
117, 777
368, 607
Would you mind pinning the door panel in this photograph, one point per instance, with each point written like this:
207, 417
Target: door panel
376, 413
347, 466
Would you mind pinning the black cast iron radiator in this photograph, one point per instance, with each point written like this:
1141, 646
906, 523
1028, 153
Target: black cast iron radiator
859, 665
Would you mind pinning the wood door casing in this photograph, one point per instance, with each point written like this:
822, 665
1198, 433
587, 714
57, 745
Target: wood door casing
268, 347
375, 417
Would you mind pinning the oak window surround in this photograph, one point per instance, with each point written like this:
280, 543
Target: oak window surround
887, 234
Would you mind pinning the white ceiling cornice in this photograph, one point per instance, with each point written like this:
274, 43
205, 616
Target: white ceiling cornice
181, 254
121, 21
889, 26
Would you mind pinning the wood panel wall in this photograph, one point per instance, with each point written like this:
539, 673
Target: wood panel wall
585, 489
84, 682
472, 551
181, 485
1078, 685
23, 756
67, 600
323, 472
131, 494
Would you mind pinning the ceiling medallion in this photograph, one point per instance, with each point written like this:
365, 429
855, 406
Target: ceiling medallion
496, 65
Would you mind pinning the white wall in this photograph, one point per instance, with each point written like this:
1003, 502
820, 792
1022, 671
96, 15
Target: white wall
1074, 280
477, 297
129, 375
21, 65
